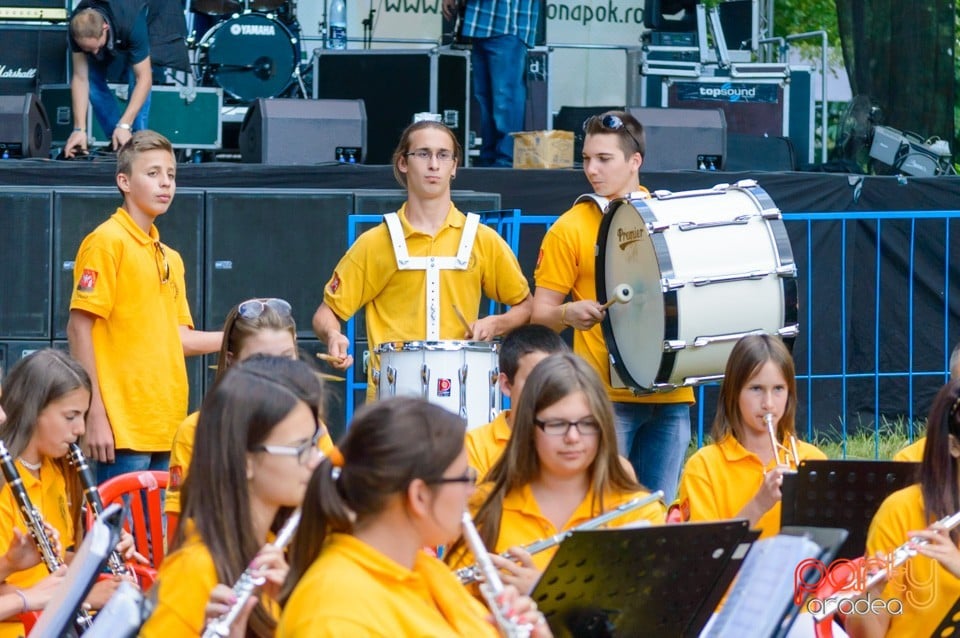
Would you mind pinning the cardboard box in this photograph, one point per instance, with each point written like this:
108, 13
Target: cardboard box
543, 149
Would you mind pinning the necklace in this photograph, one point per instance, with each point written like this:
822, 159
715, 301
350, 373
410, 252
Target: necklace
33, 467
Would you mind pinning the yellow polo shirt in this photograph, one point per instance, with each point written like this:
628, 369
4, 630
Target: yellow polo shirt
121, 278
522, 522
567, 265
353, 590
721, 478
395, 300
182, 452
913, 452
926, 590
486, 444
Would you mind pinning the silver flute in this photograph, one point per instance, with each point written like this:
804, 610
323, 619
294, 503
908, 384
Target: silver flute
783, 454
115, 562
34, 522
471, 574
247, 585
492, 586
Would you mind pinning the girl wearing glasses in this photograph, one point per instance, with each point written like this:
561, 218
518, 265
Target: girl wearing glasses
357, 567
560, 469
256, 326
257, 433
739, 475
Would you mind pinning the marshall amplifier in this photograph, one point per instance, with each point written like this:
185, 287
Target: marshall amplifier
32, 54
49, 10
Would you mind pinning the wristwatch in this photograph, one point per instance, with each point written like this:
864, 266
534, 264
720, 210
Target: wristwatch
124, 126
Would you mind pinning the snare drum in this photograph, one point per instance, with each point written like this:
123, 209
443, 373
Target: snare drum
707, 267
460, 376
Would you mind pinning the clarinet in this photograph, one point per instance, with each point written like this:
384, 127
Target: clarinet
34, 523
492, 586
248, 584
91, 495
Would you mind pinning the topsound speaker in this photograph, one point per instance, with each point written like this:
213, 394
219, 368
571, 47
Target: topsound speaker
24, 127
683, 138
290, 131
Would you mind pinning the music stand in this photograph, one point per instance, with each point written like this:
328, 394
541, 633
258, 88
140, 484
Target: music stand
60, 613
950, 623
662, 580
124, 613
844, 494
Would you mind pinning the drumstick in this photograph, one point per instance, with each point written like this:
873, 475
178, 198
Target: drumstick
329, 358
622, 294
462, 319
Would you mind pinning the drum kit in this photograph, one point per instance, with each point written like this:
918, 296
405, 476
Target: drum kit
683, 276
251, 51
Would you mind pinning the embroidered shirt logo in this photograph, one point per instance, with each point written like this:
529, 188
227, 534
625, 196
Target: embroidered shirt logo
87, 280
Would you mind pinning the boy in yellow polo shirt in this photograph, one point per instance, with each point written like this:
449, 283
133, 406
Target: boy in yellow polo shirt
130, 325
520, 352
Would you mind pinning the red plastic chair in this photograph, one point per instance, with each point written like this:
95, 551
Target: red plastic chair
144, 489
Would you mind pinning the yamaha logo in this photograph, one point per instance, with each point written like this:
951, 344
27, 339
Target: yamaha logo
19, 73
252, 29
630, 236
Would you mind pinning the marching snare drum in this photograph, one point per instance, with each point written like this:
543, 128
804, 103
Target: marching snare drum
460, 376
707, 267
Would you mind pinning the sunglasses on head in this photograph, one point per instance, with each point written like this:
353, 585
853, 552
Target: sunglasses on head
611, 122
254, 308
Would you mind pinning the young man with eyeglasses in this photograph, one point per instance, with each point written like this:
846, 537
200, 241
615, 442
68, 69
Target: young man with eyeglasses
130, 325
653, 431
425, 262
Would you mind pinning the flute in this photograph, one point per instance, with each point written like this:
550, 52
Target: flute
471, 574
34, 522
492, 586
91, 495
248, 584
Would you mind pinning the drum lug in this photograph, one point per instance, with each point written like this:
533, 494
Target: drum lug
463, 392
789, 331
702, 341
739, 220
672, 284
375, 375
673, 345
746, 183
658, 227
392, 380
494, 377
701, 380
787, 272
740, 276
772, 213
425, 380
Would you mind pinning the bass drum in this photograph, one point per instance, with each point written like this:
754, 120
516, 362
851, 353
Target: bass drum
250, 56
707, 267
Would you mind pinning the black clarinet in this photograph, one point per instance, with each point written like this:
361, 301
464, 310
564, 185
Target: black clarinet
115, 562
34, 523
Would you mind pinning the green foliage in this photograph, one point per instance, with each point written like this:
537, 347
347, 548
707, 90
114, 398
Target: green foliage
801, 16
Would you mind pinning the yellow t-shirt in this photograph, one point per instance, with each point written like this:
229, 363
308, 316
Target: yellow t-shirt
394, 300
567, 265
486, 444
522, 523
48, 494
926, 590
182, 452
721, 478
353, 590
139, 297
912, 453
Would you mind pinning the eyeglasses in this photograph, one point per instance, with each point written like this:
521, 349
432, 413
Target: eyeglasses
163, 266
611, 123
304, 452
253, 308
561, 427
425, 155
470, 477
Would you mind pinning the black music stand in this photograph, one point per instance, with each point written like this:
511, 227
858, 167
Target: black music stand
950, 624
60, 613
844, 494
662, 580
124, 613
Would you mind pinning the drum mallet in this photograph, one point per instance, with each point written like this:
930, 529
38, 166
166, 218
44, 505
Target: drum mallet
623, 293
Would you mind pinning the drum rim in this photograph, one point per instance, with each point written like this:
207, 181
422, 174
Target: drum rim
446, 345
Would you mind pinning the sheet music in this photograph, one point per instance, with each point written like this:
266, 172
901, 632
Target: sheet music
763, 590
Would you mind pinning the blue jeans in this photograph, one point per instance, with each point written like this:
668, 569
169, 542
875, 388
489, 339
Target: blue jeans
499, 71
130, 461
654, 437
104, 103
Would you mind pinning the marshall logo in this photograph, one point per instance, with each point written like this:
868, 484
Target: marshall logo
19, 73
252, 29
627, 237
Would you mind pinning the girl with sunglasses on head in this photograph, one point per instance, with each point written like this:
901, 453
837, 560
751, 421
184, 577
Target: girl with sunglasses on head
256, 326
257, 433
399, 483
559, 470
740, 474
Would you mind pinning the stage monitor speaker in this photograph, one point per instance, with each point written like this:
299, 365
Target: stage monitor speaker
31, 55
24, 127
683, 138
759, 153
288, 131
25, 263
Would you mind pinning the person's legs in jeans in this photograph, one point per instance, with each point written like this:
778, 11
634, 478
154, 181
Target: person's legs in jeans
654, 437
141, 122
499, 71
102, 100
126, 461
483, 93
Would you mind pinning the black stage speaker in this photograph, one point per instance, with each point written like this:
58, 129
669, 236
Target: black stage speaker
287, 131
759, 153
13, 351
571, 118
688, 139
24, 127
78, 211
25, 263
31, 55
